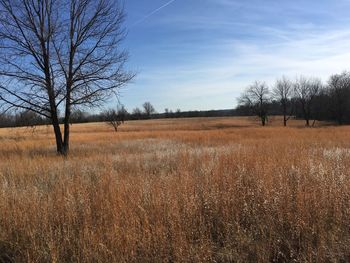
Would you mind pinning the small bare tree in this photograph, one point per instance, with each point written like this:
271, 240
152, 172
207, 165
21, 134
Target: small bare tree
148, 109
115, 118
256, 97
306, 90
282, 92
56, 55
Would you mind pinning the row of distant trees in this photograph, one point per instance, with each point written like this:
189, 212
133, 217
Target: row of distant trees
302, 97
306, 98
114, 116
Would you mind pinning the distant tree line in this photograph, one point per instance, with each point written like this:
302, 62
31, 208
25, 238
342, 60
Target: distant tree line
302, 98
112, 116
22, 118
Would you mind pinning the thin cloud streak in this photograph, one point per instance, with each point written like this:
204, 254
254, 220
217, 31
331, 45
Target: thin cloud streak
152, 13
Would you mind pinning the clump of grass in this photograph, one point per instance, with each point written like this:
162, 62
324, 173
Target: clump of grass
234, 194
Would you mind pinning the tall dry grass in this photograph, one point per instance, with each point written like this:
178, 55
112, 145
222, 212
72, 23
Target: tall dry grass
201, 190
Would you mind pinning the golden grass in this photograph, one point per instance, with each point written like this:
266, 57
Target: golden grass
187, 190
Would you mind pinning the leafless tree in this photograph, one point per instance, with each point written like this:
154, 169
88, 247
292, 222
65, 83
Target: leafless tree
256, 97
282, 92
56, 55
148, 109
339, 94
306, 90
115, 117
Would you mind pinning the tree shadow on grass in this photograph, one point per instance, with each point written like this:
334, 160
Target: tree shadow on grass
8, 252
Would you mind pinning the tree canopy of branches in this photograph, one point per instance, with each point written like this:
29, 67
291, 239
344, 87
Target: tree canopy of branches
256, 98
115, 117
339, 93
57, 55
283, 92
148, 109
306, 90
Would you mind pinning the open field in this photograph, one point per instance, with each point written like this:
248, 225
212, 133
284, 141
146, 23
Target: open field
192, 190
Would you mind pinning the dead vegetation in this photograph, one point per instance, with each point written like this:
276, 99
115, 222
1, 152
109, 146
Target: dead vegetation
202, 190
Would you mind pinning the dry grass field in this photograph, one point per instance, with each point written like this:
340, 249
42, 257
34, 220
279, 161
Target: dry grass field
192, 190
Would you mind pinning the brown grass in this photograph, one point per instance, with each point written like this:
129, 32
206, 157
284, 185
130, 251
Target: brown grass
195, 190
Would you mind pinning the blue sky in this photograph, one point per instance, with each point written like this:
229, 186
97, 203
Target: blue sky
201, 54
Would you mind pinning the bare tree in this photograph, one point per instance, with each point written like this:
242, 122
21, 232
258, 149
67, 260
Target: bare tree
60, 54
306, 90
115, 118
339, 94
148, 109
282, 92
256, 98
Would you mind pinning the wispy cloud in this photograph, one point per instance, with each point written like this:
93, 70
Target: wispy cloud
218, 77
153, 13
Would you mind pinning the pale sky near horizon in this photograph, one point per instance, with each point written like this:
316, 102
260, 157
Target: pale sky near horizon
201, 54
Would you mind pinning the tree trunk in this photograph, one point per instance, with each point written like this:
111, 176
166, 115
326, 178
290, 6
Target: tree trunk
66, 128
284, 115
307, 122
58, 135
263, 121
66, 138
